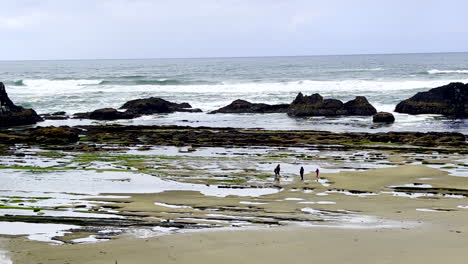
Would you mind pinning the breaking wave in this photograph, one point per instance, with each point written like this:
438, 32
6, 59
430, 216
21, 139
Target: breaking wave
338, 87
140, 82
435, 71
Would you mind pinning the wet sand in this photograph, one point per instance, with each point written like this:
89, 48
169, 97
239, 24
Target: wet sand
381, 228
431, 243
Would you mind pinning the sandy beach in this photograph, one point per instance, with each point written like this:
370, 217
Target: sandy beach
371, 226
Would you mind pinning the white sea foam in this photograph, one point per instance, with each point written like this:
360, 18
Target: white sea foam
44, 86
436, 71
54, 86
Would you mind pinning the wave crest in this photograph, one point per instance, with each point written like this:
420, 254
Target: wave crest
141, 82
436, 71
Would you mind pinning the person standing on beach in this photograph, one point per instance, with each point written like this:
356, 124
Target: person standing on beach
301, 172
317, 171
277, 172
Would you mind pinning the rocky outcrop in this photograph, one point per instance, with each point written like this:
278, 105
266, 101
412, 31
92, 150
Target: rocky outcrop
359, 106
106, 114
13, 115
241, 106
449, 100
156, 105
315, 105
137, 108
56, 116
110, 114
383, 117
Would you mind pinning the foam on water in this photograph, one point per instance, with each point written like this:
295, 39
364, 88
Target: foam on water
436, 71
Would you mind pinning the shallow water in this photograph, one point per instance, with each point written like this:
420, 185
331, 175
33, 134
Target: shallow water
38, 232
93, 183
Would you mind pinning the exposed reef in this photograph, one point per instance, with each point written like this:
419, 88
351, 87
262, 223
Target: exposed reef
449, 100
315, 105
241, 106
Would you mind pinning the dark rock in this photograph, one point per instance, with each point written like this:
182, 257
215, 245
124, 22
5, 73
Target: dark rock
449, 100
241, 106
84, 115
311, 99
156, 105
111, 114
13, 115
383, 117
190, 110
55, 135
360, 106
56, 116
315, 105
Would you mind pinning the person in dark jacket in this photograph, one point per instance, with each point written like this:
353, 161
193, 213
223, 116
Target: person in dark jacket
301, 172
277, 172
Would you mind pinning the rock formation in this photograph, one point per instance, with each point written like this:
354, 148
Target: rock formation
156, 105
110, 114
13, 115
315, 105
449, 100
359, 106
241, 106
137, 108
383, 117
55, 116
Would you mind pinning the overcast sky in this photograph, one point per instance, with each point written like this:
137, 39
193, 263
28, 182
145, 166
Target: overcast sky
72, 29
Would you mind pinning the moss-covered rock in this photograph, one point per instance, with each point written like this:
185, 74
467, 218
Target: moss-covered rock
55, 135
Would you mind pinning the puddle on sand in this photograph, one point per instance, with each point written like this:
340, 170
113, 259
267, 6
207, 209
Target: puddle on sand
92, 182
318, 202
452, 169
173, 205
364, 194
412, 185
89, 239
418, 195
155, 231
251, 203
351, 220
432, 210
58, 213
38, 232
293, 199
4, 258
4, 254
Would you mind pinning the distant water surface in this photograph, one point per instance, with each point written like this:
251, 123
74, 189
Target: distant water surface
84, 85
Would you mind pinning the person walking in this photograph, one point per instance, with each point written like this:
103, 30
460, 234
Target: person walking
317, 172
301, 172
277, 172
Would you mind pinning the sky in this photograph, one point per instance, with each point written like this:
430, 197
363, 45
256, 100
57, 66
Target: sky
111, 29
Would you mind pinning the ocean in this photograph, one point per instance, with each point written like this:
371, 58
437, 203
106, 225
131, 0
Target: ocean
210, 83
